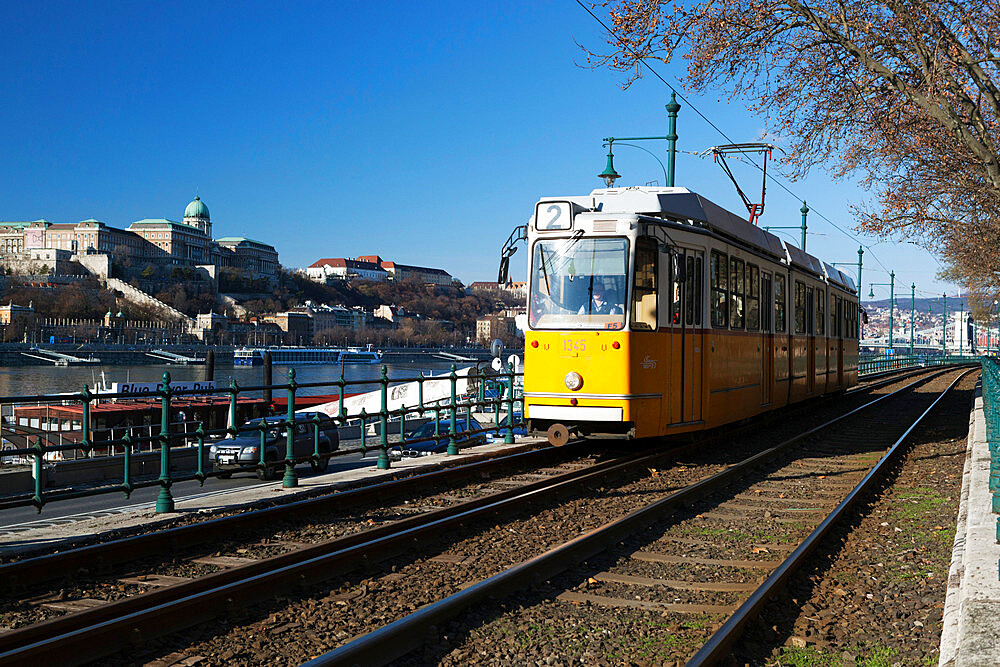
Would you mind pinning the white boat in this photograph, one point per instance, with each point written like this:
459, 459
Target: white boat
301, 356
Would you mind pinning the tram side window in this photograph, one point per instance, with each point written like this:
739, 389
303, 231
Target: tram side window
780, 301
766, 298
720, 273
835, 302
699, 283
753, 297
800, 307
810, 310
692, 278
820, 312
677, 288
644, 289
692, 291
737, 289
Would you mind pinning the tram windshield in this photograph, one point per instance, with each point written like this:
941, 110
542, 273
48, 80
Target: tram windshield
578, 283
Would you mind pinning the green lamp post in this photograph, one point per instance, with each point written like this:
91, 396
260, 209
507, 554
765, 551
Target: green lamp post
913, 310
892, 300
609, 174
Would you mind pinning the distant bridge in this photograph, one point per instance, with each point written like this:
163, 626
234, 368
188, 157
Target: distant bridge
60, 358
174, 358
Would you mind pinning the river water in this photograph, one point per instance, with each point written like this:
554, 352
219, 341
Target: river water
28, 380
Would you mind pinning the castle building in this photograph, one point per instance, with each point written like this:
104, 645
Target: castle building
152, 240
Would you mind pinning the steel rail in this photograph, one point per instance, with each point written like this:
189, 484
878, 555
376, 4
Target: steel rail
50, 567
402, 636
717, 646
94, 633
155, 613
56, 566
99, 631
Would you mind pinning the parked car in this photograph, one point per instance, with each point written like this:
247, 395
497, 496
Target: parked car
466, 437
501, 431
244, 449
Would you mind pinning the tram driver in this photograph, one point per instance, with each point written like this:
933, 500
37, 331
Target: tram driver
599, 304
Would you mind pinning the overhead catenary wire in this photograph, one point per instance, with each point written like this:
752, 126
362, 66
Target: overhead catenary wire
674, 89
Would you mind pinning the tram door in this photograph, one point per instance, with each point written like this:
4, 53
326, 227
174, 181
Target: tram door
685, 321
811, 338
693, 333
767, 339
838, 332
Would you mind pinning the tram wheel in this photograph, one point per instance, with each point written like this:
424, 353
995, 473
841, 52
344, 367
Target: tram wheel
558, 435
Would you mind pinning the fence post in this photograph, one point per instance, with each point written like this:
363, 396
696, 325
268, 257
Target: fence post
509, 438
453, 413
165, 501
200, 434
317, 421
290, 479
420, 392
127, 481
383, 418
85, 398
38, 499
231, 426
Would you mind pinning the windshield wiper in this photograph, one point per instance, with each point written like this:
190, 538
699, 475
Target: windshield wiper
545, 272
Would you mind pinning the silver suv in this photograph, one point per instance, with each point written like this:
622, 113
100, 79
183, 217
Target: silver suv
244, 449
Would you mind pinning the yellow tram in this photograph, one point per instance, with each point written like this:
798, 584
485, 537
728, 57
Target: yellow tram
653, 311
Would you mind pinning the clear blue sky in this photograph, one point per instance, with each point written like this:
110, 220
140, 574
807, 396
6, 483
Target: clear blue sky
423, 134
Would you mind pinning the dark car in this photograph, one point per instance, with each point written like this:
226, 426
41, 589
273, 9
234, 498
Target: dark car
464, 438
244, 449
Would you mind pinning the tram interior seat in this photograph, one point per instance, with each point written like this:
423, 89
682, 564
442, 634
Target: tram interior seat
645, 315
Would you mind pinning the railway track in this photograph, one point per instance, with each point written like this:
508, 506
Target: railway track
94, 627
772, 522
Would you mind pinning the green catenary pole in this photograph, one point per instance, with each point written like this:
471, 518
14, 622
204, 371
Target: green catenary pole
127, 486
383, 418
944, 325
672, 108
165, 501
290, 480
85, 443
861, 254
961, 332
509, 436
453, 421
39, 452
805, 212
892, 303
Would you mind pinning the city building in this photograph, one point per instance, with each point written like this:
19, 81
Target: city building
256, 257
11, 311
151, 240
495, 326
400, 272
342, 268
335, 317
518, 289
298, 327
172, 241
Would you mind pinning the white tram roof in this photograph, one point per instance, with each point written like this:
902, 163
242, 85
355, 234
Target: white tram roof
683, 205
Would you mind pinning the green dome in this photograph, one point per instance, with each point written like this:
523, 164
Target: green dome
196, 209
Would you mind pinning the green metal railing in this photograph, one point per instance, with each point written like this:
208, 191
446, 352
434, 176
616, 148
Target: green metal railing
872, 364
991, 413
497, 393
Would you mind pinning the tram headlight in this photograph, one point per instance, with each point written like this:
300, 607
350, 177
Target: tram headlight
573, 381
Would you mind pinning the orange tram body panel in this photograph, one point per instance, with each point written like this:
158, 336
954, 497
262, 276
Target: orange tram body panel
652, 311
